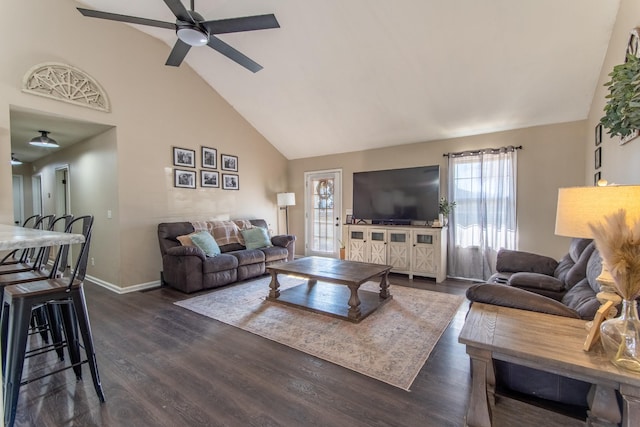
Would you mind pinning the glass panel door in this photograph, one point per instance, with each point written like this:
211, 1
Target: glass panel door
323, 213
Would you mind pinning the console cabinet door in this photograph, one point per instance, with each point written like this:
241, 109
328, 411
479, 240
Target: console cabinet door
399, 249
425, 252
377, 240
358, 244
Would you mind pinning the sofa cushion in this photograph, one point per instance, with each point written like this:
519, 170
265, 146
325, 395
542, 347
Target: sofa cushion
256, 238
275, 253
248, 256
514, 261
582, 299
204, 240
221, 262
226, 232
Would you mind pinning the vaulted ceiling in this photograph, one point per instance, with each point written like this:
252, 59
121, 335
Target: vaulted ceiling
348, 75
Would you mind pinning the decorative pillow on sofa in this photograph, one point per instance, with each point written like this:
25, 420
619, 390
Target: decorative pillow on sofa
256, 237
186, 240
226, 232
205, 241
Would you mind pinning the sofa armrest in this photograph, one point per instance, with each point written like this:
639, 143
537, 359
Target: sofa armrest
536, 281
516, 261
507, 296
287, 241
186, 251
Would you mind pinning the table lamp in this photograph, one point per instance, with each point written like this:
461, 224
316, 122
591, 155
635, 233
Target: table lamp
285, 200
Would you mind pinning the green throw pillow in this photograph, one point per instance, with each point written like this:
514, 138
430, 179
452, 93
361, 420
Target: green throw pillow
205, 241
256, 237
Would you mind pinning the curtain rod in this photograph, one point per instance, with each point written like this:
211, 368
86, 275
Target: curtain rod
484, 150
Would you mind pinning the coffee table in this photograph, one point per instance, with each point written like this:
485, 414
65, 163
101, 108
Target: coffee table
319, 292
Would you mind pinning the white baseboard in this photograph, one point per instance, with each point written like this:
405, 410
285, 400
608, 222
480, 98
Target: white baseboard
118, 289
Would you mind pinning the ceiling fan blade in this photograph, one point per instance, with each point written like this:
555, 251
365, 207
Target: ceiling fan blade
179, 10
247, 23
233, 54
126, 18
179, 51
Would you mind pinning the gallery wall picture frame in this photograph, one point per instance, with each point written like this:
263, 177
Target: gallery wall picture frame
596, 178
209, 158
184, 157
598, 135
229, 163
184, 178
598, 157
209, 179
230, 181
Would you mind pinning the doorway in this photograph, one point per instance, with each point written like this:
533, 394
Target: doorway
36, 191
18, 200
322, 210
62, 191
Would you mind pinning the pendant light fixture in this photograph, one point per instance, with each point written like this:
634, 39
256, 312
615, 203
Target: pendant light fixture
14, 160
44, 141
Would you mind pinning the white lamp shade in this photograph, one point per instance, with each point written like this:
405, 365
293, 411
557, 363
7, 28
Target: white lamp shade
286, 199
580, 206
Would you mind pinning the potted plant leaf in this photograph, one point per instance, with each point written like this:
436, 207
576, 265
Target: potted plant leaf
444, 209
622, 111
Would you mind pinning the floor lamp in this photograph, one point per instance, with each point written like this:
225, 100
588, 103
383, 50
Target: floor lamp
285, 200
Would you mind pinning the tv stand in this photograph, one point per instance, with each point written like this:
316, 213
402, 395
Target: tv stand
412, 250
391, 221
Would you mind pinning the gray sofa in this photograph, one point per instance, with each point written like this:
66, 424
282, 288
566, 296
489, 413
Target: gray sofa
573, 286
188, 269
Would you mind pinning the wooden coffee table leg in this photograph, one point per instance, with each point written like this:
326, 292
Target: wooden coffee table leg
274, 285
478, 411
354, 303
384, 286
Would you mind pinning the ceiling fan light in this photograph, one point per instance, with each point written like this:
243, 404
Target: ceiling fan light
44, 141
14, 160
192, 35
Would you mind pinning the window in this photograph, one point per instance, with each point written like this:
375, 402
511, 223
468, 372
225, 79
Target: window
483, 185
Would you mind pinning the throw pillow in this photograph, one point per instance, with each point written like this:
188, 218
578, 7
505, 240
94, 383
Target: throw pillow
255, 238
204, 240
186, 240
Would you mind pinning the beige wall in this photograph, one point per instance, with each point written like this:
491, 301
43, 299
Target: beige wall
620, 163
154, 108
552, 157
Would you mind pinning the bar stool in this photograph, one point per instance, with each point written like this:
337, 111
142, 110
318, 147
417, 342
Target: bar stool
27, 261
67, 295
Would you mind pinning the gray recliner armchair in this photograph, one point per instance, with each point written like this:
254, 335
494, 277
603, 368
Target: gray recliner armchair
575, 298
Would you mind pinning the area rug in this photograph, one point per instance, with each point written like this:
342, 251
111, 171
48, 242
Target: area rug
391, 345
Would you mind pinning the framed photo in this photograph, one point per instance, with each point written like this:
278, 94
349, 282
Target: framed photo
598, 157
596, 178
184, 157
209, 179
230, 181
209, 158
349, 219
594, 331
184, 178
598, 134
229, 163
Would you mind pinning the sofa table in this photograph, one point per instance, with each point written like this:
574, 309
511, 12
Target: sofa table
548, 343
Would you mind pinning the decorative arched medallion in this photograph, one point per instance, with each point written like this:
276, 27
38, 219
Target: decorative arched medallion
65, 83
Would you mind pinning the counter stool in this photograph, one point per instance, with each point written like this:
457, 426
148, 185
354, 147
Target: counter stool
63, 293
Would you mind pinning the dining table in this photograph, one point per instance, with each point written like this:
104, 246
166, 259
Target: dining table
15, 237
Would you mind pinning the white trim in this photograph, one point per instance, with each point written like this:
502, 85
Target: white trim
119, 290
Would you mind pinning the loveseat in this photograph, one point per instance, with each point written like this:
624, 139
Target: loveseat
574, 288
187, 268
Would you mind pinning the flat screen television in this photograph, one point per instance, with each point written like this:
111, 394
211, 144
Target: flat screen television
397, 196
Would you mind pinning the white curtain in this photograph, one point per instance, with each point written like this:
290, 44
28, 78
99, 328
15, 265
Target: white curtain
483, 185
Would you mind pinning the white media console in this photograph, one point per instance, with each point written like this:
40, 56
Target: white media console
412, 250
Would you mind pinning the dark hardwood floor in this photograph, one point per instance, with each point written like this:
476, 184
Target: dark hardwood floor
162, 365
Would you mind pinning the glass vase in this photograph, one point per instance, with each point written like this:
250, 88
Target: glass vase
621, 337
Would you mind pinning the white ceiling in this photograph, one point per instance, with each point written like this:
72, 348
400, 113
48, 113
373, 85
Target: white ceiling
348, 75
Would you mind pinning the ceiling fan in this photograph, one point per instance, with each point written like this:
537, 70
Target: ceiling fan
193, 30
